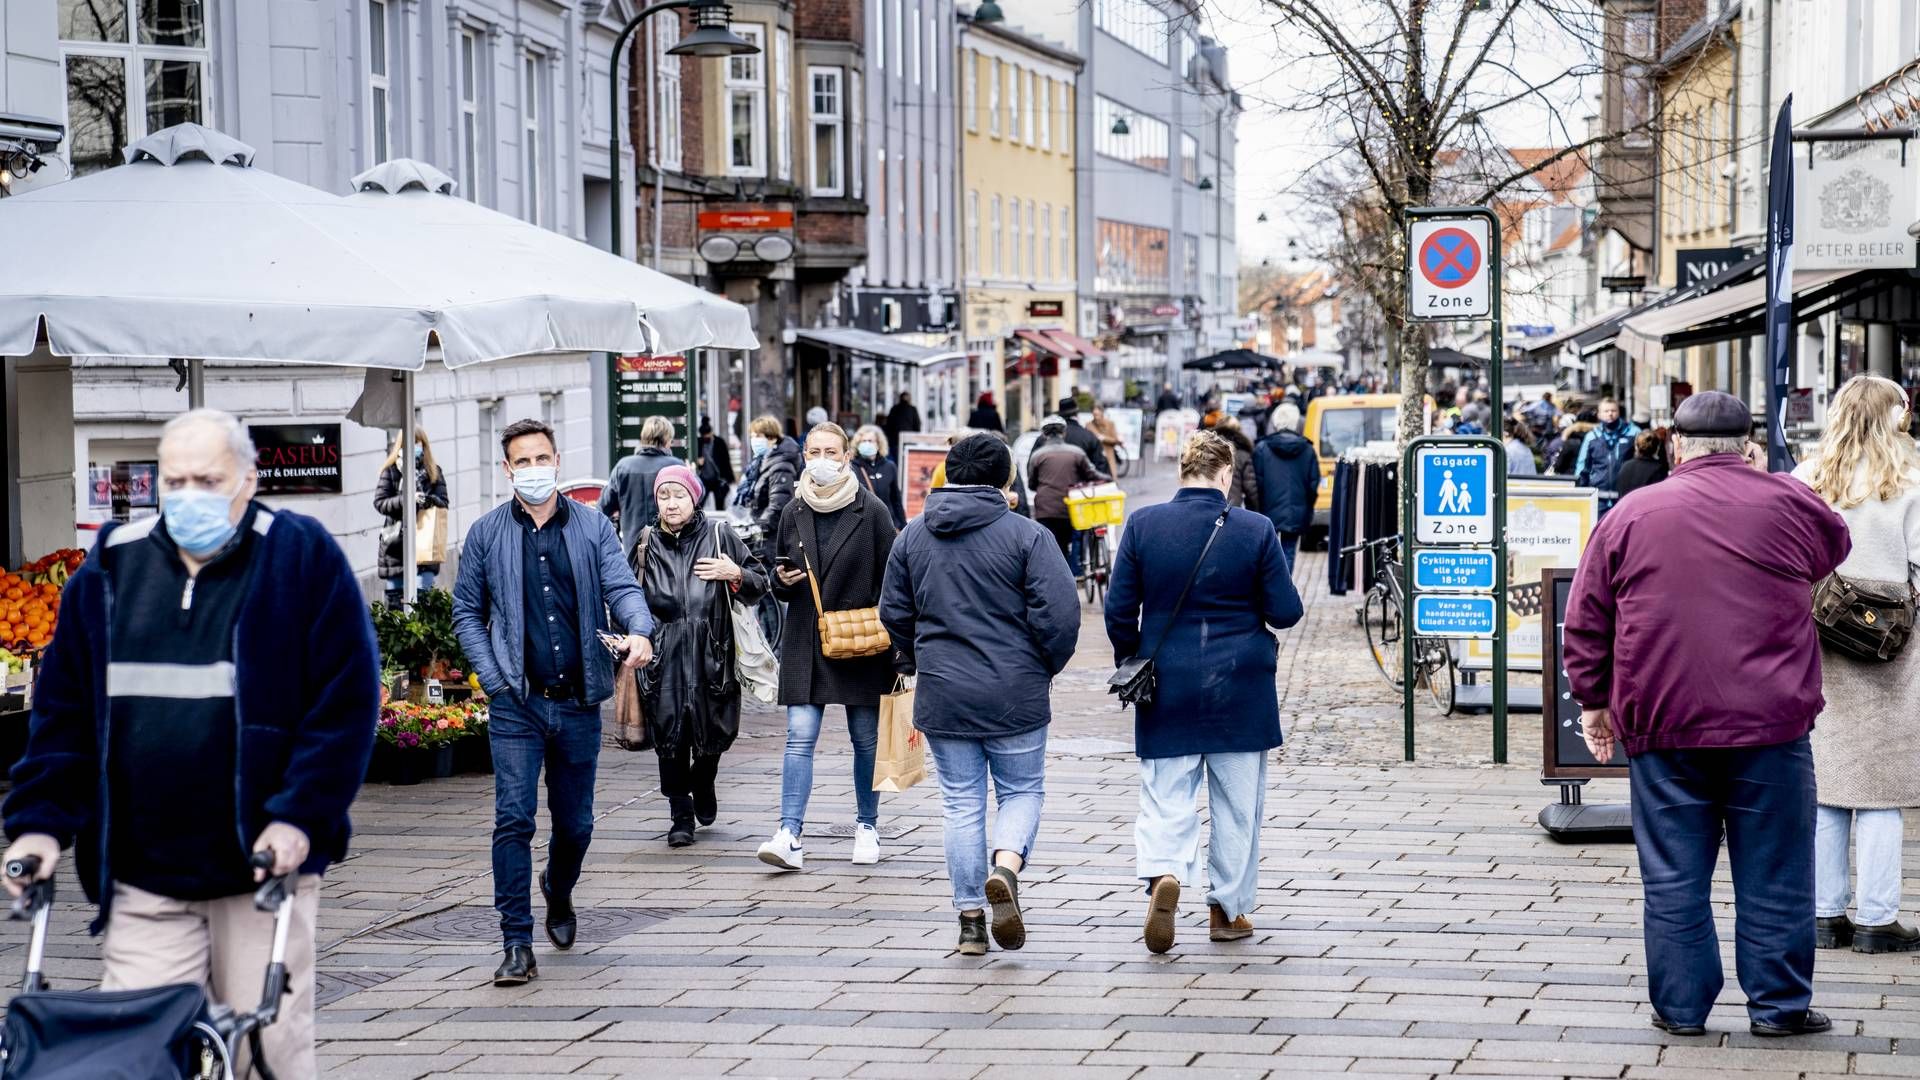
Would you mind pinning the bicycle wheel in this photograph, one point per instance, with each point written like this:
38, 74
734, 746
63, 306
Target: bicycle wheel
1122, 464
1380, 616
1436, 660
1096, 566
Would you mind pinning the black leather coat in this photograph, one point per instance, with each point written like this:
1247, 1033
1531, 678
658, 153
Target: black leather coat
689, 692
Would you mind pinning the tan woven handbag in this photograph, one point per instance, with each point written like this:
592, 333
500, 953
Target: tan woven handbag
849, 633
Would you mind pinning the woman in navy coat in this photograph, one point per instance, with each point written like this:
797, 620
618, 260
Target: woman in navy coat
1215, 707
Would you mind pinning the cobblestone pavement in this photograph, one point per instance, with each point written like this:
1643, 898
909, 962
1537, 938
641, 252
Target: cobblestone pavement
1413, 922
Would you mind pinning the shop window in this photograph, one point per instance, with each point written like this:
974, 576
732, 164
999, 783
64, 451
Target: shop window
132, 67
745, 115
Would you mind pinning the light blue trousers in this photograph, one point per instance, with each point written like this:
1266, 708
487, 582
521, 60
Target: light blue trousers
1166, 836
1018, 766
1877, 835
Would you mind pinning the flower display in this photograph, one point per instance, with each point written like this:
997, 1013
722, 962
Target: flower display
411, 726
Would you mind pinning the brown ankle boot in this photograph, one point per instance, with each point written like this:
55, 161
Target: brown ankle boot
1163, 902
1220, 929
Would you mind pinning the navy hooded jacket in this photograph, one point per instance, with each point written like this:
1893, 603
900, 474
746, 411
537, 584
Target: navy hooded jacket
306, 698
980, 600
1289, 473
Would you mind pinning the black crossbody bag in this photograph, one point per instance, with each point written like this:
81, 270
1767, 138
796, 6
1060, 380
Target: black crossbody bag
1134, 680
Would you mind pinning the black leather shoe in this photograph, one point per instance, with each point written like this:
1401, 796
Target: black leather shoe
1811, 1022
681, 834
1679, 1029
517, 968
1834, 932
706, 805
1893, 937
1003, 893
562, 925
973, 935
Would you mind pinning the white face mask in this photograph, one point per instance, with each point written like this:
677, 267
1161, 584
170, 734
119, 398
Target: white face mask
869, 449
824, 472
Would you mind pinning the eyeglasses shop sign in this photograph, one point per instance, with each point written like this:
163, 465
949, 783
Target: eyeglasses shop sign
297, 459
1852, 214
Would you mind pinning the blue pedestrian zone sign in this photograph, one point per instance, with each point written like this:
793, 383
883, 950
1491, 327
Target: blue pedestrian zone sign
1453, 571
1453, 616
1456, 496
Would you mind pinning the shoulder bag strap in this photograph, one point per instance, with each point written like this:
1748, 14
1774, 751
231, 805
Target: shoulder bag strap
812, 582
1212, 535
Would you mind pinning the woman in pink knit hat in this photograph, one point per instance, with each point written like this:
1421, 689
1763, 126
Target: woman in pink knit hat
691, 569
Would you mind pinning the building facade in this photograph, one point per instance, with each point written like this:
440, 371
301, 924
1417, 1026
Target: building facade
508, 96
1018, 223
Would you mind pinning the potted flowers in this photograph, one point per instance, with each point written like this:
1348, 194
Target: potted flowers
473, 751
417, 741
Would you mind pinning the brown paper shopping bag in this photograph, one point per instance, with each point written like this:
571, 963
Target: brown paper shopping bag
430, 536
900, 759
629, 712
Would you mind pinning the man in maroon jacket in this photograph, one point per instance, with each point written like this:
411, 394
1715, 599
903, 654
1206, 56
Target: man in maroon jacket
1690, 640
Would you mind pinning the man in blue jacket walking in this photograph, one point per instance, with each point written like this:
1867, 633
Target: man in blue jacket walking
1605, 450
1289, 475
537, 577
980, 602
175, 731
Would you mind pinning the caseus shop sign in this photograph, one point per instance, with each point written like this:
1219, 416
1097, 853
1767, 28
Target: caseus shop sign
297, 459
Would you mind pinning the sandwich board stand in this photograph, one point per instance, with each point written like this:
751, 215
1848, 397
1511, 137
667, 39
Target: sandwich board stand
1565, 760
1453, 514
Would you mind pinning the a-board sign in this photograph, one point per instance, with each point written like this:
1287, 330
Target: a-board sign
1455, 505
1453, 616
1564, 745
645, 386
920, 455
1453, 571
1448, 276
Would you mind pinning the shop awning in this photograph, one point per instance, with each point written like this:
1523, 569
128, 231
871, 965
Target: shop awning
1077, 343
1738, 311
1039, 339
1602, 332
878, 346
1547, 346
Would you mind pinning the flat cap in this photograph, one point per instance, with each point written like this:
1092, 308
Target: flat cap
1713, 413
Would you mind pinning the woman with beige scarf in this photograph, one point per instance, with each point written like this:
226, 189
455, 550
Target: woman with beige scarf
841, 533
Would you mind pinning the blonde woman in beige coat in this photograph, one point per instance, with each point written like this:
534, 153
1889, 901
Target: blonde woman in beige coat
1866, 755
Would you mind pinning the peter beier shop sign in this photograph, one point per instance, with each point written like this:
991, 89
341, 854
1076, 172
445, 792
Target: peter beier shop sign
297, 459
1852, 213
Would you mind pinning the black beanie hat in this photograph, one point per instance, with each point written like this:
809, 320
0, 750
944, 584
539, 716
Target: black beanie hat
980, 459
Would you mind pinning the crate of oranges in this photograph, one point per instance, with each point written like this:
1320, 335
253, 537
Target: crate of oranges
30, 600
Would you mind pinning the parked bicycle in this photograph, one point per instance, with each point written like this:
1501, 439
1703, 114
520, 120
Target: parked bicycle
1382, 619
1093, 513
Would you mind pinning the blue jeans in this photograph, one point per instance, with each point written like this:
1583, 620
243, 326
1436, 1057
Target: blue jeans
796, 768
1077, 553
1877, 835
566, 738
1166, 835
395, 590
1018, 764
1761, 798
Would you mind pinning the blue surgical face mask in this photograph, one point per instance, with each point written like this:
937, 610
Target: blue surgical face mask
198, 521
535, 484
757, 444
419, 455
869, 448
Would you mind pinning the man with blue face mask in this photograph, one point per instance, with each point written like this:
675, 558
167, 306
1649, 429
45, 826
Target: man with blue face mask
174, 732
537, 577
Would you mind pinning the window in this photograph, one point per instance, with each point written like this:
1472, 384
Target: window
470, 114
879, 37
745, 116
1013, 103
533, 68
782, 104
1046, 241
1013, 234
933, 52
1189, 158
1728, 197
1132, 258
1046, 117
993, 100
1190, 254
880, 182
1137, 24
826, 117
993, 230
379, 92
859, 154
127, 78
969, 89
1033, 103
669, 133
915, 22
1637, 103
1189, 52
899, 37
1033, 230
1144, 144
973, 234
1065, 236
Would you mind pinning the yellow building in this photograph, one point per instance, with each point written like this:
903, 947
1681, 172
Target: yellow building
1017, 240
1696, 180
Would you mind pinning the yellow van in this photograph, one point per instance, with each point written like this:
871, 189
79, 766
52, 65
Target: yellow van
1337, 423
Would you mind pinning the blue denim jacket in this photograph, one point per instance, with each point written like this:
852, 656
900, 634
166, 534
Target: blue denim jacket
488, 599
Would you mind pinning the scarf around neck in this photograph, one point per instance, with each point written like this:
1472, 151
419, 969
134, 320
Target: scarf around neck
825, 500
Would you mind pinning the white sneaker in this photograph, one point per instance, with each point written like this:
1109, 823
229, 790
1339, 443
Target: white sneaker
783, 851
866, 845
